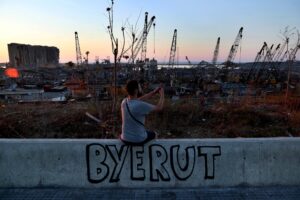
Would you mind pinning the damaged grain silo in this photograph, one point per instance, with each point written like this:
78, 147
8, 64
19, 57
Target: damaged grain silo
32, 56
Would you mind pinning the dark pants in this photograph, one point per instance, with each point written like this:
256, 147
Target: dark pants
150, 136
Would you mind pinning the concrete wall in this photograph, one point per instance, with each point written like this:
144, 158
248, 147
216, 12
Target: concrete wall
161, 163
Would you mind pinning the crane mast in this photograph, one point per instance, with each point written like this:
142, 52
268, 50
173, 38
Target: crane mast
144, 38
216, 52
173, 49
78, 51
234, 47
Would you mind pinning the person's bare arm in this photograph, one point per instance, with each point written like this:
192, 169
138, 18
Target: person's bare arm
160, 103
149, 95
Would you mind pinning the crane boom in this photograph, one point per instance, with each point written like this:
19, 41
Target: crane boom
271, 70
78, 51
271, 58
173, 49
216, 52
278, 58
144, 38
264, 63
280, 51
235, 46
188, 60
257, 60
138, 45
261, 52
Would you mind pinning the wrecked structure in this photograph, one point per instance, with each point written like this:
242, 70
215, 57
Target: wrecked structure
32, 56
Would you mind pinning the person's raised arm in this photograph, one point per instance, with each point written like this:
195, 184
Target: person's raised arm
160, 103
149, 95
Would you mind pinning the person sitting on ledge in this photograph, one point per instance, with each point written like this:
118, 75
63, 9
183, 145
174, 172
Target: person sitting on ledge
134, 109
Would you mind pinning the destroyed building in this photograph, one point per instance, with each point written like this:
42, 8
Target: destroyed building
32, 56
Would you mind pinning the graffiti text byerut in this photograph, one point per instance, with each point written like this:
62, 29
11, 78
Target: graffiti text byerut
149, 163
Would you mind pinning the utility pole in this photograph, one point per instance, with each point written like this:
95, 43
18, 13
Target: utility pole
87, 57
154, 40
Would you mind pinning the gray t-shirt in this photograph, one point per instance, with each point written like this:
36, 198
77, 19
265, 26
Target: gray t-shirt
132, 131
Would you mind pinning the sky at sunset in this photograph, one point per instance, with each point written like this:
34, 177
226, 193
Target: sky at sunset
199, 24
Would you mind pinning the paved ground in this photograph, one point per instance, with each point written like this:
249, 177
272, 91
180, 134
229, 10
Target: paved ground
263, 193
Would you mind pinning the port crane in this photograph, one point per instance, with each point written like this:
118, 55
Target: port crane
234, 48
271, 58
267, 58
172, 57
173, 49
216, 52
278, 57
273, 70
188, 60
140, 42
223, 73
144, 39
257, 60
78, 51
269, 68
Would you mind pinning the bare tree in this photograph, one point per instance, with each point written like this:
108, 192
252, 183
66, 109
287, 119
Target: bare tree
115, 50
114, 46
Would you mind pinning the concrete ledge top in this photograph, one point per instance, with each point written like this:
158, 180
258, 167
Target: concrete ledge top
59, 140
